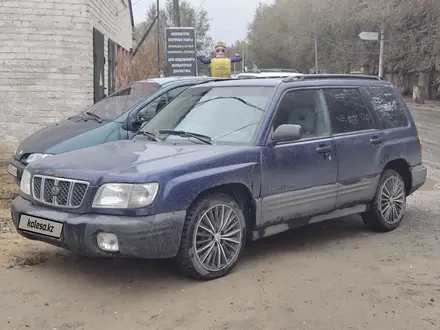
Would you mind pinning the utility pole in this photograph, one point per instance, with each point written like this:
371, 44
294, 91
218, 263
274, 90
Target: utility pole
144, 37
382, 44
316, 53
176, 11
158, 37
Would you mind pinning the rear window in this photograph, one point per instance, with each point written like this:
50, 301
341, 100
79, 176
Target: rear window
390, 110
123, 100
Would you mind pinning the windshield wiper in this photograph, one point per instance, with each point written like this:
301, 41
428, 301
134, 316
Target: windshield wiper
230, 97
94, 116
204, 138
149, 135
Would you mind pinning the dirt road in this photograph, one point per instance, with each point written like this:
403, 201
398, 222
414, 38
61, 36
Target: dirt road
333, 275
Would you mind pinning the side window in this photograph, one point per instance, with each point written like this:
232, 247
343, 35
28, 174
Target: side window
348, 112
390, 111
175, 92
305, 108
147, 112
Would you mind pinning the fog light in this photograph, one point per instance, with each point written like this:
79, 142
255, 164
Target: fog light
107, 242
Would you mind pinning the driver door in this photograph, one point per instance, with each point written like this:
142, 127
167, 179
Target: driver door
299, 177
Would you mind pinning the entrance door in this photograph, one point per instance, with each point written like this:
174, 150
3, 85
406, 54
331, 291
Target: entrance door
98, 65
299, 177
111, 66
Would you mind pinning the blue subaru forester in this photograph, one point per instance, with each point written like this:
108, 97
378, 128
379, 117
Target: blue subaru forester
228, 161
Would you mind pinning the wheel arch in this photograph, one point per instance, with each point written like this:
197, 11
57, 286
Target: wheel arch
402, 167
242, 196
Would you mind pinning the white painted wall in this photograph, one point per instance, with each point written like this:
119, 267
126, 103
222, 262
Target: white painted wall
46, 59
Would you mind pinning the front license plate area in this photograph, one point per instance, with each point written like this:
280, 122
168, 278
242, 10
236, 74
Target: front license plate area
12, 170
40, 226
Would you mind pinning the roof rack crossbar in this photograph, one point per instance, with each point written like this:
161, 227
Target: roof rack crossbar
332, 76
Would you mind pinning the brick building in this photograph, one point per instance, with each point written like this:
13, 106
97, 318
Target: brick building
56, 58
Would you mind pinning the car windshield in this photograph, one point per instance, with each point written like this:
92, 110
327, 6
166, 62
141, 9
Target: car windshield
121, 101
225, 115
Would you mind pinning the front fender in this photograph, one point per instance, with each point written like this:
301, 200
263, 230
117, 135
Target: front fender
179, 193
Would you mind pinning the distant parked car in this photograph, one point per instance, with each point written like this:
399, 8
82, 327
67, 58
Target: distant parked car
117, 117
228, 161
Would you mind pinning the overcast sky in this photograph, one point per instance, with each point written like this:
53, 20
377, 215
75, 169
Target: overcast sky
229, 18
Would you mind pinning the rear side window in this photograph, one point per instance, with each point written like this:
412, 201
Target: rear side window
347, 110
385, 102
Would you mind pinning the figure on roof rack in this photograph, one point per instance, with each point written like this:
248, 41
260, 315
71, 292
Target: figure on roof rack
220, 65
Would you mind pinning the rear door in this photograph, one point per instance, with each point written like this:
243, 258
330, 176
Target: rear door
359, 141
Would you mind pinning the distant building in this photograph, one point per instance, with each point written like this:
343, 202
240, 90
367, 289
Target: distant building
56, 58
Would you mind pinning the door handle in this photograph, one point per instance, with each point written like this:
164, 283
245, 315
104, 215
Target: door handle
376, 140
323, 149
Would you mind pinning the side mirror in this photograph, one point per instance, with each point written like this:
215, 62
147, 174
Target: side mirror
133, 124
287, 133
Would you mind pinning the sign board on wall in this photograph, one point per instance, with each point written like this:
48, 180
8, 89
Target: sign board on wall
181, 52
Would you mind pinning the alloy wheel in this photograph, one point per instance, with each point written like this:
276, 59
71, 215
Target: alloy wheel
218, 237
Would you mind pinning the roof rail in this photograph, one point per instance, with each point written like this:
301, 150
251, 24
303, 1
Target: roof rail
331, 76
274, 70
214, 79
262, 77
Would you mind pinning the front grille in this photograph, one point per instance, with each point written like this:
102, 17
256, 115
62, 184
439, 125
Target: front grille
59, 192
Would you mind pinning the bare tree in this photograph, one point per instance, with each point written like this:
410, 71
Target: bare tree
283, 34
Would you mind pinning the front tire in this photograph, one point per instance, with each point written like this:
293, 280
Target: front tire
389, 203
213, 237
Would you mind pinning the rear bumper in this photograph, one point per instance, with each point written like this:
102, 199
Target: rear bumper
155, 236
418, 175
19, 166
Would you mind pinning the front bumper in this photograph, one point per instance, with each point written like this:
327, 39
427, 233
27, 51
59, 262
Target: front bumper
156, 236
418, 175
20, 168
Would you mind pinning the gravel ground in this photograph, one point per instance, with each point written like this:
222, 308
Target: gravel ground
333, 275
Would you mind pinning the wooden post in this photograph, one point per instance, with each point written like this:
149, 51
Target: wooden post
176, 11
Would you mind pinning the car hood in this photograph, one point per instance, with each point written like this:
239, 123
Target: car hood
135, 161
42, 140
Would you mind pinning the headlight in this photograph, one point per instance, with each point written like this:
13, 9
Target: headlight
125, 195
33, 157
25, 183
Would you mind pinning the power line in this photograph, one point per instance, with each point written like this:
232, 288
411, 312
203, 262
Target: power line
132, 5
200, 6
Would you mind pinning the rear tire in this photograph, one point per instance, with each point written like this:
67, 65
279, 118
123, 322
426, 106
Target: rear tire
213, 238
388, 206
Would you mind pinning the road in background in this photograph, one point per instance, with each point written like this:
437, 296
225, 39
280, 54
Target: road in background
427, 118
